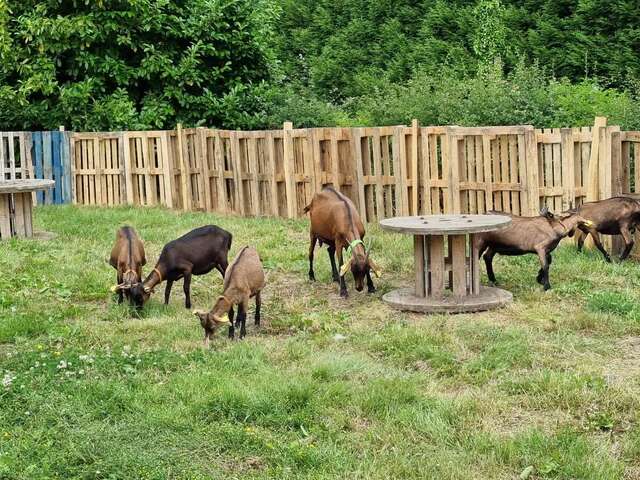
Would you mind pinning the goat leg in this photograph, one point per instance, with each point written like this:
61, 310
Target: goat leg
258, 305
187, 290
598, 244
167, 291
628, 241
581, 235
232, 329
206, 339
544, 264
343, 284
312, 246
120, 292
370, 287
242, 318
488, 261
334, 270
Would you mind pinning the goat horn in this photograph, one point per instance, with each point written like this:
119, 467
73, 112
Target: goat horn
345, 267
148, 289
115, 288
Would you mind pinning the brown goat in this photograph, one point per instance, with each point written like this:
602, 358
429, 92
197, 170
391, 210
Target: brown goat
243, 280
613, 216
539, 235
335, 221
128, 258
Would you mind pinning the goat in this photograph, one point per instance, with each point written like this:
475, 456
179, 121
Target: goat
195, 253
243, 280
335, 221
539, 235
613, 216
128, 258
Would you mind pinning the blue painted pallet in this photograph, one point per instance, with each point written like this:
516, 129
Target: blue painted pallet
51, 161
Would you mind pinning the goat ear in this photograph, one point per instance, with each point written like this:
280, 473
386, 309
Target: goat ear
148, 289
345, 267
375, 268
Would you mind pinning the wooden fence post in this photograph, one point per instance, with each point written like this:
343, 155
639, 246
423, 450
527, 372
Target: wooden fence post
593, 182
289, 184
358, 182
125, 146
402, 207
453, 173
167, 169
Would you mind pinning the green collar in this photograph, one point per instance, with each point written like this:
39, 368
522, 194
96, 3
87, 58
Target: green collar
352, 245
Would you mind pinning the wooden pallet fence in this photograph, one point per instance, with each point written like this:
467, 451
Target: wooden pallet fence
15, 156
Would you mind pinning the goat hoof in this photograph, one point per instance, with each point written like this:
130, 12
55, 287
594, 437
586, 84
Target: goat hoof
371, 290
336, 279
312, 277
344, 295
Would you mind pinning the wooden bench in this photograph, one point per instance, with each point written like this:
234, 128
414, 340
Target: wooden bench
16, 206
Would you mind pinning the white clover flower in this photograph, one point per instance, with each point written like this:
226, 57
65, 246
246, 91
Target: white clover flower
8, 379
62, 365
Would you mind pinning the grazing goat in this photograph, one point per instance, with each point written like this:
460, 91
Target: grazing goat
335, 221
613, 216
243, 280
128, 258
196, 253
539, 235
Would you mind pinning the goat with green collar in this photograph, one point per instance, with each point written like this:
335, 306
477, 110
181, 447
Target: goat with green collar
336, 223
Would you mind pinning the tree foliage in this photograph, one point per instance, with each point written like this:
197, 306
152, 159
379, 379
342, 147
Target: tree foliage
114, 64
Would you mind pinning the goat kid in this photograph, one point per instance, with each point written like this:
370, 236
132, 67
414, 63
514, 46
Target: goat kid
539, 235
128, 258
243, 280
335, 222
195, 253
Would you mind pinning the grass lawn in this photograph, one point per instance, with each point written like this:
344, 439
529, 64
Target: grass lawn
328, 388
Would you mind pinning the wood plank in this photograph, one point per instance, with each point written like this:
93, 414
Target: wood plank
426, 173
398, 172
488, 178
309, 167
497, 173
436, 207
568, 174
458, 264
470, 167
72, 161
27, 209
271, 162
289, 169
236, 162
12, 156
184, 170
626, 166
504, 171
474, 262
100, 200
636, 170
415, 132
593, 171
5, 215
531, 159
3, 171
203, 168
253, 183
436, 265
454, 166
167, 169
479, 174
378, 172
356, 143
513, 173
18, 215
419, 264
47, 164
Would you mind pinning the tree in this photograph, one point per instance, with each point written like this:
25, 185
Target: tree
115, 64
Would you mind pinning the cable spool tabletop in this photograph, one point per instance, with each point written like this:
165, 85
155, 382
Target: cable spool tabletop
446, 264
16, 206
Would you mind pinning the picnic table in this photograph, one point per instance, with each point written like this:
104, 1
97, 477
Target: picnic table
16, 206
446, 264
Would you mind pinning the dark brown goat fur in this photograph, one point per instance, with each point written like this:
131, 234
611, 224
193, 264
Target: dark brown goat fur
613, 216
195, 253
244, 279
128, 258
539, 235
336, 222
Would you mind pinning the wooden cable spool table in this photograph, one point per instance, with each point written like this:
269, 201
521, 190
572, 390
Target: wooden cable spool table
16, 206
446, 283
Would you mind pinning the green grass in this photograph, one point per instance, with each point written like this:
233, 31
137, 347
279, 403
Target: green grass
327, 388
